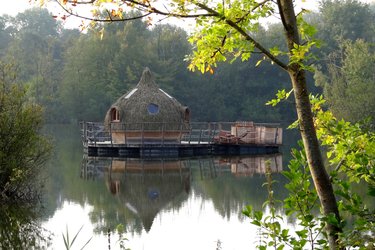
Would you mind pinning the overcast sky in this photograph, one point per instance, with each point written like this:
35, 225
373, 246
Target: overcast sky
12, 7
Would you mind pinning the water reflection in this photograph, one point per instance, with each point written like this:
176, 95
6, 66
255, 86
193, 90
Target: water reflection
245, 165
143, 188
79, 194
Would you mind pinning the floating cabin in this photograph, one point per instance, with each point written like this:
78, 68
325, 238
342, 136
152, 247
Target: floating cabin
147, 114
147, 121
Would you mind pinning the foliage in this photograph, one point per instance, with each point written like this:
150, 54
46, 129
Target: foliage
300, 206
226, 31
23, 150
350, 152
23, 153
19, 228
350, 77
351, 147
36, 51
121, 237
343, 20
77, 76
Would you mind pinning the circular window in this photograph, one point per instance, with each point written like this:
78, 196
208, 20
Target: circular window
153, 109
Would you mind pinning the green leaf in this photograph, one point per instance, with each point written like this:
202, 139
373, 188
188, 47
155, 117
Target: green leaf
258, 215
371, 191
331, 219
248, 211
309, 217
275, 51
281, 247
256, 223
302, 233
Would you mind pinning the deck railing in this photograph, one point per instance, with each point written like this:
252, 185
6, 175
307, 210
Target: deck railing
93, 133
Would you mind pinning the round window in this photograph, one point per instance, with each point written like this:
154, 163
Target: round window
153, 109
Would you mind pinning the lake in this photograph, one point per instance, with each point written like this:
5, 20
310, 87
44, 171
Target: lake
189, 203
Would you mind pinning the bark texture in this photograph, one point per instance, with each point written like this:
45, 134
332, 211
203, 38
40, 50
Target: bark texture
319, 174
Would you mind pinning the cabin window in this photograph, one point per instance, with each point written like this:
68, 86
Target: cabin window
115, 116
153, 109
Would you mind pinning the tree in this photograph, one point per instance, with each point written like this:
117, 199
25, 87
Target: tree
349, 85
226, 31
5, 34
344, 20
23, 150
339, 21
36, 50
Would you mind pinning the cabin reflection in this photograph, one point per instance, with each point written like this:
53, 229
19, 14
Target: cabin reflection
98, 167
144, 187
239, 165
248, 166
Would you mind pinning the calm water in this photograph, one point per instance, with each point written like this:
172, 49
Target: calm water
162, 203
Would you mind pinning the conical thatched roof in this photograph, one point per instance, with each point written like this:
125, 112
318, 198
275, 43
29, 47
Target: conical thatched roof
148, 103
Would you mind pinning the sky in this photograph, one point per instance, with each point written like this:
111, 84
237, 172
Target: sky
12, 7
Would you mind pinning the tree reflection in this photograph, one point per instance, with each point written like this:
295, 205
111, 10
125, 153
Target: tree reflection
20, 229
141, 188
232, 182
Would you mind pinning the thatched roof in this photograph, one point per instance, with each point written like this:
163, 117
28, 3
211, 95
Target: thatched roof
148, 103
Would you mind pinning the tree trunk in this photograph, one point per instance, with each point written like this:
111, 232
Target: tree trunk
319, 174
306, 125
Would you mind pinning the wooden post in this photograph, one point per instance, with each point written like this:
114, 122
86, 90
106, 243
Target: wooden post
124, 125
180, 134
142, 133
200, 136
276, 134
190, 132
84, 132
110, 133
162, 133
93, 131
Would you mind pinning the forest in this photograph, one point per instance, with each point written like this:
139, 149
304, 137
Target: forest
63, 76
77, 75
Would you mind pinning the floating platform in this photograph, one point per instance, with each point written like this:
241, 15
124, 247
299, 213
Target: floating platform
201, 139
176, 150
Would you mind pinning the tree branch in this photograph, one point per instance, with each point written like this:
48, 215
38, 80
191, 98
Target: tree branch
246, 35
71, 13
253, 9
149, 9
145, 7
80, 2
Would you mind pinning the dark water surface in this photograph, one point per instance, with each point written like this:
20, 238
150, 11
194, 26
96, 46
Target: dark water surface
162, 203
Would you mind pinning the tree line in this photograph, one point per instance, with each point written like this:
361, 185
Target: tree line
77, 76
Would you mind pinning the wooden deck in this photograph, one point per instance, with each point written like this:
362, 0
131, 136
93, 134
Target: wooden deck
199, 139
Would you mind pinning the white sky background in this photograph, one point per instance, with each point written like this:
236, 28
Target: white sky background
12, 7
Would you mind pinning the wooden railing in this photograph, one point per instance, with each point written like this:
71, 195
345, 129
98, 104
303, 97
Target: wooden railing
93, 133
